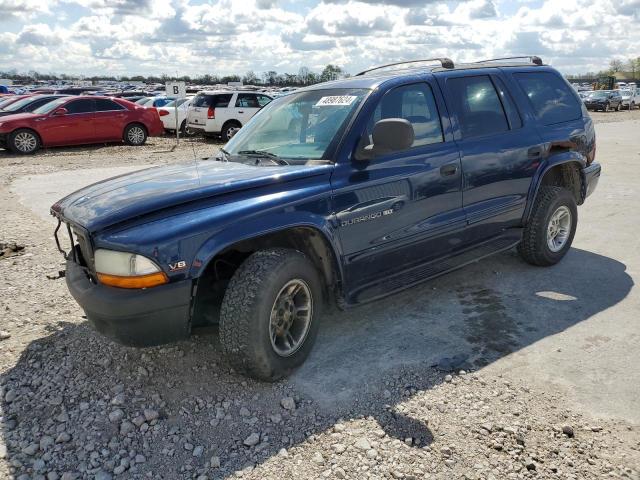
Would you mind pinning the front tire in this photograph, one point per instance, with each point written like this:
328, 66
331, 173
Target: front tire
270, 312
135, 135
23, 141
551, 227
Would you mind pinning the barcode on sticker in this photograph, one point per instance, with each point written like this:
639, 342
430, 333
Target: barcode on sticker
337, 100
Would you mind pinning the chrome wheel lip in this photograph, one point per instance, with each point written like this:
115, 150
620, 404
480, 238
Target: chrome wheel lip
25, 142
559, 228
288, 326
135, 135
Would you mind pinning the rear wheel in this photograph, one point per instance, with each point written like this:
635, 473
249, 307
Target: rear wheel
135, 134
229, 130
552, 225
269, 315
23, 141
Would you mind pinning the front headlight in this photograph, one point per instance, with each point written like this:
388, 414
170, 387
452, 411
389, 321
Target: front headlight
127, 270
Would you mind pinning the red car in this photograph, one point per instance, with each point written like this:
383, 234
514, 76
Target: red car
79, 120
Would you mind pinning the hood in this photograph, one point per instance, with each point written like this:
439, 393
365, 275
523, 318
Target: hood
122, 198
9, 116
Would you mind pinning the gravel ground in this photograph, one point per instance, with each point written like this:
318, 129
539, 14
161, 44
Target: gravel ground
73, 405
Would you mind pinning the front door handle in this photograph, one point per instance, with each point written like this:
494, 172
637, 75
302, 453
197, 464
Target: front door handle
240, 111
449, 169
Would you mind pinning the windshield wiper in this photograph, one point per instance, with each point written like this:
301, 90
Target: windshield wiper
224, 157
264, 153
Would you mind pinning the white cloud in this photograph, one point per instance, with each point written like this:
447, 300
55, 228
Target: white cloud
227, 36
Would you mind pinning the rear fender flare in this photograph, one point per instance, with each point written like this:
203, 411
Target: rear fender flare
552, 161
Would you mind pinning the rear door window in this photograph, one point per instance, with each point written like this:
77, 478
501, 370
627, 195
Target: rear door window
478, 106
79, 106
515, 121
104, 105
551, 97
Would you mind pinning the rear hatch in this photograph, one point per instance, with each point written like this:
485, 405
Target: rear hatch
203, 107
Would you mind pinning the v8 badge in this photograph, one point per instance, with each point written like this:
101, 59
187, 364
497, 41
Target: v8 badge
181, 265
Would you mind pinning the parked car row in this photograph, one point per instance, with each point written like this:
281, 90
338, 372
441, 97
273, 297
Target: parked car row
611, 100
28, 123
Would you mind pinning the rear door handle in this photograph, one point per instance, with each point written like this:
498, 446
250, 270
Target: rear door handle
240, 111
449, 169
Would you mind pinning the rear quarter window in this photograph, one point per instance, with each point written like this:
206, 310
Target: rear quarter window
216, 101
550, 96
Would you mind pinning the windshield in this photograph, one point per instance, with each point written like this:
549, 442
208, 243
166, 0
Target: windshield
7, 101
600, 94
299, 126
18, 104
48, 107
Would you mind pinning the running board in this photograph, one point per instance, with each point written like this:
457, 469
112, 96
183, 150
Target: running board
421, 273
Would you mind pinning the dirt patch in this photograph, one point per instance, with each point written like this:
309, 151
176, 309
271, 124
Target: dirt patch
10, 249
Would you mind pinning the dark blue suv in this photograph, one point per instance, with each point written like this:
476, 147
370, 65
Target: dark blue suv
340, 193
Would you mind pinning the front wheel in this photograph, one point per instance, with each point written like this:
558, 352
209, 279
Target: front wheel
269, 315
23, 141
135, 134
551, 227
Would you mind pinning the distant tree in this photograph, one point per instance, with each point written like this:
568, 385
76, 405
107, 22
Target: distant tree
270, 77
230, 78
303, 75
330, 72
250, 77
633, 66
615, 65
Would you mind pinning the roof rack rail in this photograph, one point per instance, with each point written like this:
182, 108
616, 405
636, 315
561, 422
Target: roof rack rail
444, 61
532, 59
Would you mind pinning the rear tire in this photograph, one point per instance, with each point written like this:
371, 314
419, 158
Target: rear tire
23, 141
229, 130
263, 313
547, 237
135, 135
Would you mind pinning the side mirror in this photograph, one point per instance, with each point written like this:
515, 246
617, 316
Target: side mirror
60, 111
389, 135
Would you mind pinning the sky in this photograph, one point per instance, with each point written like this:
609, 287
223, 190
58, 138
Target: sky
195, 37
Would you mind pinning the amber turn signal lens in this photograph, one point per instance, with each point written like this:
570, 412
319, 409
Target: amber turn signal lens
142, 281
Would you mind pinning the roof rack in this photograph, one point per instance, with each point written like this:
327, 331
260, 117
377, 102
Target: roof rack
532, 59
444, 61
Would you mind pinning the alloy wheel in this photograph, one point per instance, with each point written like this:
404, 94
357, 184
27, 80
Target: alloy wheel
290, 318
25, 142
136, 135
559, 228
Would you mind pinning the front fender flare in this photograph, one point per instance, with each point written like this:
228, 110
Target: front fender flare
254, 228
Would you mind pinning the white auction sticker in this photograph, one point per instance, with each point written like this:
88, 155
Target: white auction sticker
337, 100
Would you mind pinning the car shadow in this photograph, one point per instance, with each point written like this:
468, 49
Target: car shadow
366, 362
